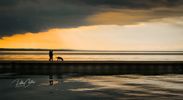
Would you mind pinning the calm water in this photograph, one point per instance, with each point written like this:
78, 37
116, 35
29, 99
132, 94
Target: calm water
93, 56
117, 87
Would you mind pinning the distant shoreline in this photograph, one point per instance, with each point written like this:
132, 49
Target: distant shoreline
37, 49
70, 53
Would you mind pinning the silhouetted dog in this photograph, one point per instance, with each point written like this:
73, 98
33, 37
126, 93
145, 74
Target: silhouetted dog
59, 58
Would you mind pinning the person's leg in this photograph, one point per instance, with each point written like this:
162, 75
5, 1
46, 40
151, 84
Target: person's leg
51, 58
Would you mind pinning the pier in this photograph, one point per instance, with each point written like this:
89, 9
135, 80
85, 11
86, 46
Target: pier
92, 67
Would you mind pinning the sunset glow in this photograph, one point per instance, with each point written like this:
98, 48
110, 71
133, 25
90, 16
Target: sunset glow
144, 36
92, 25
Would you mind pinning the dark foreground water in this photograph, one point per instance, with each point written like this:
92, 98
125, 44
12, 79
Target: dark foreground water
117, 87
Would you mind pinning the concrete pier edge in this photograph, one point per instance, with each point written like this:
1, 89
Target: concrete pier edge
92, 67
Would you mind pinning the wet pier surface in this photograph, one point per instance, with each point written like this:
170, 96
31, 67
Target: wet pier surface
92, 68
113, 87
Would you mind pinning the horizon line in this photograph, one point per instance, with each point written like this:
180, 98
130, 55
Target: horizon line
46, 49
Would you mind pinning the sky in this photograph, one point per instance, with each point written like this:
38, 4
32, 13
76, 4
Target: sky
92, 24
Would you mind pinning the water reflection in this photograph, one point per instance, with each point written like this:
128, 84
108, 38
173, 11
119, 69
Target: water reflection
167, 87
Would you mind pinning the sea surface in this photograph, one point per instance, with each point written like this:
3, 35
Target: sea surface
94, 55
116, 87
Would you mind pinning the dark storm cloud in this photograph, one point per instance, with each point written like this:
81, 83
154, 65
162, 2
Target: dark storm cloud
136, 4
19, 16
36, 15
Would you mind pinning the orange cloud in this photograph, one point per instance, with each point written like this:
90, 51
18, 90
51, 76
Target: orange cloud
118, 17
48, 39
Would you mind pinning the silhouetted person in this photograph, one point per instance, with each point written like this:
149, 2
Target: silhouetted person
51, 55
